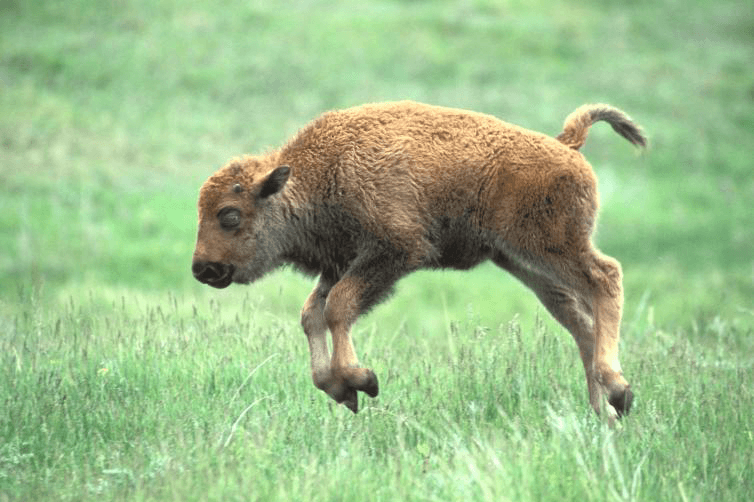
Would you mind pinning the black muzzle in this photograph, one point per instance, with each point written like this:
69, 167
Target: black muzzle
217, 275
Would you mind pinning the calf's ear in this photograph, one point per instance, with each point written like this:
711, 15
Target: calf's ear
274, 181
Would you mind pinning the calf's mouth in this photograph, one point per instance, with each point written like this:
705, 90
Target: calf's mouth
217, 275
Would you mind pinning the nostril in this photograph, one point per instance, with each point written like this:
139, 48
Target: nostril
207, 271
215, 274
197, 268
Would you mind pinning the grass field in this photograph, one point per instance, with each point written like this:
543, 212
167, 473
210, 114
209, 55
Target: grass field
122, 378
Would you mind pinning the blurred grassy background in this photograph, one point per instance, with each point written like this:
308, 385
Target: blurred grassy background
113, 113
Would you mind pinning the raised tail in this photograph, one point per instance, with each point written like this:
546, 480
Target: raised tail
577, 124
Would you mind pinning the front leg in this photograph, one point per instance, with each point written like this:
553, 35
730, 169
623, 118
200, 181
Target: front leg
315, 327
342, 308
340, 377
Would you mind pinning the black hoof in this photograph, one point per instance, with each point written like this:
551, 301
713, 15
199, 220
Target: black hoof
372, 388
621, 400
351, 400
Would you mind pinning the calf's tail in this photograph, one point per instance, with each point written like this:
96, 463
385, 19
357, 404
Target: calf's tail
577, 124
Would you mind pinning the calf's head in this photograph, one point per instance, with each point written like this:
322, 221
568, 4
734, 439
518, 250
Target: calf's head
239, 219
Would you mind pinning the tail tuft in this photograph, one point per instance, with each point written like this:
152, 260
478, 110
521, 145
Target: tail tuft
577, 124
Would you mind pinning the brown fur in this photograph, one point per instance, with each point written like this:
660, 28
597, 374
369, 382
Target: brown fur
364, 196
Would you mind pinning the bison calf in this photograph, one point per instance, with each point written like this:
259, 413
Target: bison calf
364, 196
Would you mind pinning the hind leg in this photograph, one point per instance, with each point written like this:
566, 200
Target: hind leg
572, 311
608, 305
573, 302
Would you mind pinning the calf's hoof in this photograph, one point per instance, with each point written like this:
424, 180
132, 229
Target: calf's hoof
371, 386
350, 398
620, 399
346, 382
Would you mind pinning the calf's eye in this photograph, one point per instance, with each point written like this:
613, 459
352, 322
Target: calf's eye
230, 218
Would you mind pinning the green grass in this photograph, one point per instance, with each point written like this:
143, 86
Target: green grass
167, 397
125, 379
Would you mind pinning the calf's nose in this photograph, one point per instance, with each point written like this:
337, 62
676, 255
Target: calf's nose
215, 274
198, 268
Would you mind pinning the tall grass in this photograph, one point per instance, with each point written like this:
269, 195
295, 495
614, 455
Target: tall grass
171, 397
